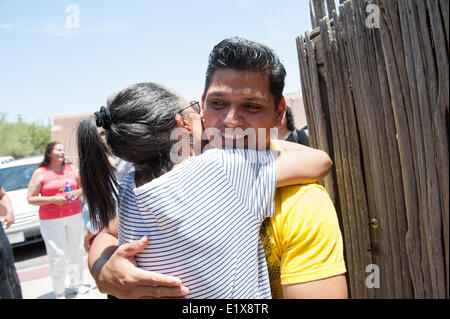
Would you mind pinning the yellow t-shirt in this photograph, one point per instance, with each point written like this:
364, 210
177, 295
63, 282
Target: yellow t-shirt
302, 241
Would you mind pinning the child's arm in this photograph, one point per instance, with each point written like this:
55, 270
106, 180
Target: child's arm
299, 164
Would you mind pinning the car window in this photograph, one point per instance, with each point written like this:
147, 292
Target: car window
17, 177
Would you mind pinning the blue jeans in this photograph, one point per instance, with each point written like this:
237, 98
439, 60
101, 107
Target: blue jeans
9, 281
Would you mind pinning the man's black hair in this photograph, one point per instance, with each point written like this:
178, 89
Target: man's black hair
290, 125
244, 55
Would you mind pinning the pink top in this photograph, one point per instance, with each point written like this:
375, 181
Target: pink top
52, 185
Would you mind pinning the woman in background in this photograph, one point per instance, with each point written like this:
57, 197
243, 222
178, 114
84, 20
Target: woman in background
60, 218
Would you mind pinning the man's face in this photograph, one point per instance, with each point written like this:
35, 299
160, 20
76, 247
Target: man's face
241, 99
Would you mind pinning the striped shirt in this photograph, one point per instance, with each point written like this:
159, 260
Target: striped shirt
202, 219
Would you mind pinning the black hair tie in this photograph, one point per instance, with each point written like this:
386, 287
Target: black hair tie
103, 118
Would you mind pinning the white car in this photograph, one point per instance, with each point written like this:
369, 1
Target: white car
6, 159
14, 178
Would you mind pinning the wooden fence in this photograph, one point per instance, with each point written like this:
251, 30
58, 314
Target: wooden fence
375, 87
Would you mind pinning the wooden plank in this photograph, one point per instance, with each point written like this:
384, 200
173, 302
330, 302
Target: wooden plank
320, 110
306, 89
352, 57
427, 88
394, 197
398, 220
395, 254
331, 6
318, 11
318, 45
364, 75
394, 56
318, 131
439, 108
428, 221
344, 192
319, 117
353, 147
347, 144
416, 126
312, 15
444, 10
388, 230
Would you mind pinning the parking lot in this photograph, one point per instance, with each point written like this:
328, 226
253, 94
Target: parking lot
34, 274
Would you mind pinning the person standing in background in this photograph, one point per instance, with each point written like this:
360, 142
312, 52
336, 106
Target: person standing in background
9, 282
288, 131
60, 218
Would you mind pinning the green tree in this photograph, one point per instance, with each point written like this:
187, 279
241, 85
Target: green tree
21, 139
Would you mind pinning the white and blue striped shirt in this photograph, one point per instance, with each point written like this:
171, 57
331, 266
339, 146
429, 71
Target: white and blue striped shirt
202, 219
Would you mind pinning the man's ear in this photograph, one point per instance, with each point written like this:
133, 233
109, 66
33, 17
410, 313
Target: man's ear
280, 113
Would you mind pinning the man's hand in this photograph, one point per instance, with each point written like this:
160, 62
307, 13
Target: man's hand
120, 277
87, 238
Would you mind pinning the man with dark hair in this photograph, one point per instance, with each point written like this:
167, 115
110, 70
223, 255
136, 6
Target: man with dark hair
242, 55
303, 244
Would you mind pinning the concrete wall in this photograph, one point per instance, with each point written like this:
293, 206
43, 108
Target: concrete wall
295, 102
64, 130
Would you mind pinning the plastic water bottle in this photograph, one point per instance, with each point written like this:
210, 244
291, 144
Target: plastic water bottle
67, 190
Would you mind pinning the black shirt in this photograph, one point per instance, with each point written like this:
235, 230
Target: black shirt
299, 136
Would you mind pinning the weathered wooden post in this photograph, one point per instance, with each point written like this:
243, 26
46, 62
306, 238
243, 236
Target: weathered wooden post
375, 88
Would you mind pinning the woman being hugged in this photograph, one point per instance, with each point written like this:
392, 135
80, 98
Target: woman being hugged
60, 218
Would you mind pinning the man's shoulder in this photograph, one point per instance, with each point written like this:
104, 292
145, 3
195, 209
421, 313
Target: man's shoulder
302, 205
291, 195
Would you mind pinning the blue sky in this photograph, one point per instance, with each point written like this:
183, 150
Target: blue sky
48, 69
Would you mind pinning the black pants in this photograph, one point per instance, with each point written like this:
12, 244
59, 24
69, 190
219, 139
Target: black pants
9, 281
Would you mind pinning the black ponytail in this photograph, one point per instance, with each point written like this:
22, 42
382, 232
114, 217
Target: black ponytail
138, 122
97, 178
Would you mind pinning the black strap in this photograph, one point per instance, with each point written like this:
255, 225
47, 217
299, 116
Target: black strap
296, 137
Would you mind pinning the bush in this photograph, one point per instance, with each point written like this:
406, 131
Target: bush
21, 139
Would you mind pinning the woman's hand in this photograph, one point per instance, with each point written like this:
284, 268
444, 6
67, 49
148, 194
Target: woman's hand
75, 194
59, 200
299, 164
